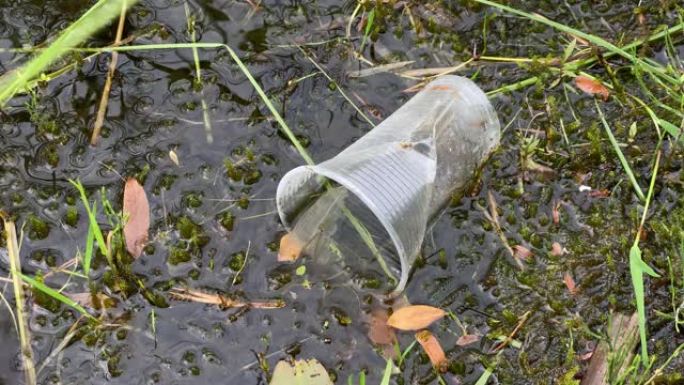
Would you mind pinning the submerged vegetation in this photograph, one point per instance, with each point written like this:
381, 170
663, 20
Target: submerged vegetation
576, 221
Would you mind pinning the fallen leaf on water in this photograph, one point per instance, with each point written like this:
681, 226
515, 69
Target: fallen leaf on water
570, 283
378, 331
467, 339
433, 350
592, 86
136, 210
522, 252
415, 317
309, 372
290, 248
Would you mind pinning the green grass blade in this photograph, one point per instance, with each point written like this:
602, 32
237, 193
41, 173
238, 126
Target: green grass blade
95, 18
590, 38
484, 377
91, 217
56, 295
638, 284
387, 374
621, 156
369, 26
90, 240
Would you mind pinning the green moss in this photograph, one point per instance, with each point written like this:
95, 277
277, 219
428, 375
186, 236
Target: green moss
237, 260
71, 216
38, 228
227, 220
178, 255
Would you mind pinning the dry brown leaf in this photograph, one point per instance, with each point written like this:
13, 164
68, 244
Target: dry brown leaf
556, 249
136, 210
433, 349
522, 252
290, 248
378, 331
592, 86
570, 283
415, 317
467, 339
555, 213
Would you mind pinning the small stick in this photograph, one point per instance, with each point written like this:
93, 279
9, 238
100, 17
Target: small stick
508, 339
104, 100
220, 300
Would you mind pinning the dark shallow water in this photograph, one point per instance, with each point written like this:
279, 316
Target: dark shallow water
153, 109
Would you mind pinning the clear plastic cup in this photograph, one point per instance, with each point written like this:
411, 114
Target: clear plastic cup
368, 208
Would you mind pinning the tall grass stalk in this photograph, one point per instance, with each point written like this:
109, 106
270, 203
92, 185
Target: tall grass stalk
90, 22
19, 298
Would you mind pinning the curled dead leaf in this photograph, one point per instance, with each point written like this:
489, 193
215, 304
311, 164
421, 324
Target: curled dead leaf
592, 86
290, 248
467, 339
136, 210
415, 317
522, 252
433, 350
570, 283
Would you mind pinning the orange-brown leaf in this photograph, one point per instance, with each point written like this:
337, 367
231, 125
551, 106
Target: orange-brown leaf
415, 317
570, 283
467, 339
290, 248
136, 210
592, 86
433, 350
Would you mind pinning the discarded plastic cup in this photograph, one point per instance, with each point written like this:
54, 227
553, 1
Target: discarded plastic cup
369, 207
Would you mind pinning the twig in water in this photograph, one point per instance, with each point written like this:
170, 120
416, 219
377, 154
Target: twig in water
104, 99
508, 339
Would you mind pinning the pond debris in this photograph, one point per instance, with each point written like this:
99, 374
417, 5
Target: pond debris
522, 253
615, 354
93, 300
570, 283
415, 317
290, 248
383, 68
556, 249
174, 157
221, 300
381, 334
433, 350
468, 339
136, 211
300, 372
592, 86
